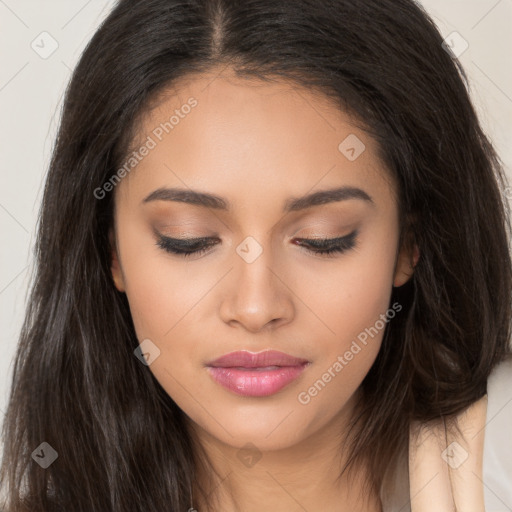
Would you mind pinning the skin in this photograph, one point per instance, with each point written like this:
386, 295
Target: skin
256, 145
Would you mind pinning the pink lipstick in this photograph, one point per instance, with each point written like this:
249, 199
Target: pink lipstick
256, 374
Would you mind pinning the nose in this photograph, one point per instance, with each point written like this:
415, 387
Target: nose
259, 295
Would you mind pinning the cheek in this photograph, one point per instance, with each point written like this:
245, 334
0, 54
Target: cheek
352, 301
352, 292
160, 288
154, 299
162, 300
165, 298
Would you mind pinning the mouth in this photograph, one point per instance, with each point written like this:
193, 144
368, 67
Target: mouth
256, 374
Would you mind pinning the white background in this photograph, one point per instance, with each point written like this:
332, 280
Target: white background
31, 90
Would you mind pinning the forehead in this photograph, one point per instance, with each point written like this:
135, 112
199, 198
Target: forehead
250, 139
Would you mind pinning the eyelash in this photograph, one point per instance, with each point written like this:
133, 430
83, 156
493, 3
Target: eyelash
325, 247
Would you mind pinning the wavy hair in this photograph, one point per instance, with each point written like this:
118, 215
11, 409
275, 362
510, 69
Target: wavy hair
122, 442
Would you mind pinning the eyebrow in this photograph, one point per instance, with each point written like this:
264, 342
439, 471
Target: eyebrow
292, 204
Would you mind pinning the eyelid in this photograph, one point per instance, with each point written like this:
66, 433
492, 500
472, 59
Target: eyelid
184, 235
319, 247
209, 239
330, 239
189, 241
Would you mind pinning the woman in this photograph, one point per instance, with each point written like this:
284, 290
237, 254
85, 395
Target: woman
273, 268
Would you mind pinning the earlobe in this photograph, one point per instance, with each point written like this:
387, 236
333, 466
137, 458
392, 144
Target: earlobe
407, 260
115, 267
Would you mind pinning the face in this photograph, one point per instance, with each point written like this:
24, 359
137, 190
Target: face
259, 281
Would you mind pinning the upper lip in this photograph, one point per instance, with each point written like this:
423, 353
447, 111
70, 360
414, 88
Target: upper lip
247, 359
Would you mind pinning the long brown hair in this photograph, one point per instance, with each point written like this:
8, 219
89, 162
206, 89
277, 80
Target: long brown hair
122, 442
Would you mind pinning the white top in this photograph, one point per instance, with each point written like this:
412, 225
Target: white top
473, 474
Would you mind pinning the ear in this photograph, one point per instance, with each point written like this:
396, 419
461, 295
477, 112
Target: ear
407, 259
115, 267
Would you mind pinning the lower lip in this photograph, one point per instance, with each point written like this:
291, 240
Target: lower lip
252, 382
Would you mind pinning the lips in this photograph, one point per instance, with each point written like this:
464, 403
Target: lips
266, 359
256, 374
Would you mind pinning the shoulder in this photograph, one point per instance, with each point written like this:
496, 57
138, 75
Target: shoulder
497, 463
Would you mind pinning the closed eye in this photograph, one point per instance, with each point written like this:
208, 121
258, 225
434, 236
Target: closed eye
327, 247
